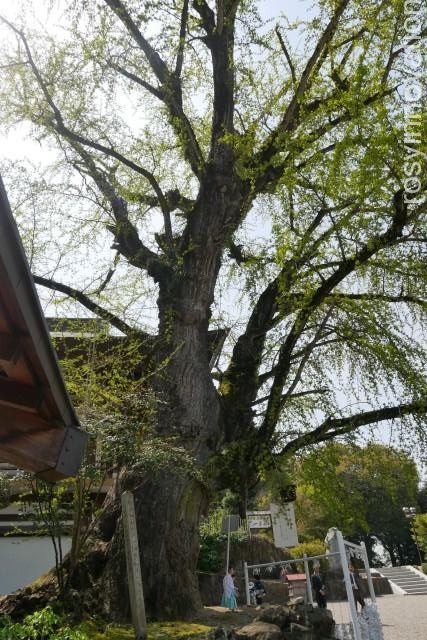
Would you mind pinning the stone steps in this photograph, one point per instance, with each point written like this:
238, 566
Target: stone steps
410, 581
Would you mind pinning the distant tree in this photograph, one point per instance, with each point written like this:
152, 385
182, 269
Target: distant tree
360, 490
420, 525
242, 184
422, 498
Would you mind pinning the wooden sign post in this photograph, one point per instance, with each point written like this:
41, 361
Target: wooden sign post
133, 565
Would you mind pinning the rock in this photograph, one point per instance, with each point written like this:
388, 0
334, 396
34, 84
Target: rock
276, 614
322, 622
222, 633
303, 608
276, 592
299, 632
299, 627
260, 631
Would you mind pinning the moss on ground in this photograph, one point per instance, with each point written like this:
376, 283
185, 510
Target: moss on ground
206, 619
156, 631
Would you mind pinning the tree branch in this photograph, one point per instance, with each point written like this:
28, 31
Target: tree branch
134, 78
70, 135
171, 90
282, 368
272, 174
175, 200
221, 44
181, 45
240, 384
156, 63
206, 14
89, 304
242, 374
334, 427
263, 377
299, 394
408, 299
287, 56
289, 120
60, 127
395, 54
307, 353
109, 275
127, 240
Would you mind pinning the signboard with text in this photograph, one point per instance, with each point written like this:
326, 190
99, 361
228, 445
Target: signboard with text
284, 526
280, 518
258, 519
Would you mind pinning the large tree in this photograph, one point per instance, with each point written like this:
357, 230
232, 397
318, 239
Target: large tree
218, 157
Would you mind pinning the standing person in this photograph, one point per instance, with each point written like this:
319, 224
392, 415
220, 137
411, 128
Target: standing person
229, 599
319, 588
356, 584
259, 589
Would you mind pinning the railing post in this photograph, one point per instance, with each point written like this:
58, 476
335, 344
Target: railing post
348, 586
368, 573
307, 575
245, 571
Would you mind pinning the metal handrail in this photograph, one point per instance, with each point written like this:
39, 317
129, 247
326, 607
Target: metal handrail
292, 560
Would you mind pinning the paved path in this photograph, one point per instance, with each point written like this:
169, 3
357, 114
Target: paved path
402, 617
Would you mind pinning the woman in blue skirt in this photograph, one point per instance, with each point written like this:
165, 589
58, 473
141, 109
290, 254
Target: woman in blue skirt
229, 590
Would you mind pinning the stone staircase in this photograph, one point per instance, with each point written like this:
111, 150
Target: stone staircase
409, 580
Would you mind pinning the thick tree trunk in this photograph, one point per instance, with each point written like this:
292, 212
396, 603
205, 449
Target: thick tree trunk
169, 504
168, 508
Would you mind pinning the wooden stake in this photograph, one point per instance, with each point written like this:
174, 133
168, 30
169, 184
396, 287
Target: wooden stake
133, 565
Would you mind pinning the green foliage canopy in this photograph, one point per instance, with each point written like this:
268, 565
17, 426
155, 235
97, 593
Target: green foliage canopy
360, 490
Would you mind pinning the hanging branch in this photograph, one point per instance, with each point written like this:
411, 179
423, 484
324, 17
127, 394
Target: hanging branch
375, 244
58, 125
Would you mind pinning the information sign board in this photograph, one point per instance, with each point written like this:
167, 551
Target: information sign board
258, 519
284, 526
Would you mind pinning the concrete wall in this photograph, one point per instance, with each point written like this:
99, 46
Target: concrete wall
23, 559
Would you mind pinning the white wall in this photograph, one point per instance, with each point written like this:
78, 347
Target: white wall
22, 560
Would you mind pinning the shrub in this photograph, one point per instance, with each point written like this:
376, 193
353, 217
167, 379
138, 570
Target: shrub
212, 550
41, 625
315, 547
